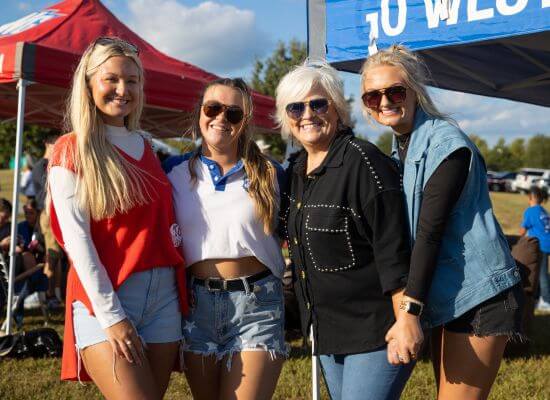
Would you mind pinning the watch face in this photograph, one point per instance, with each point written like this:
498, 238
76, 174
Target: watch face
411, 307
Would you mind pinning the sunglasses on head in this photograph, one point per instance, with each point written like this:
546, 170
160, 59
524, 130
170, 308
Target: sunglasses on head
234, 114
318, 106
395, 94
105, 40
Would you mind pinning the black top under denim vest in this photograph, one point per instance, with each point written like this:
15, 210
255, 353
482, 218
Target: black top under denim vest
347, 230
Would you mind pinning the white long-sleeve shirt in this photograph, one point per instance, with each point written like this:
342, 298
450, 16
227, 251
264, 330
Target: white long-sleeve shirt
74, 223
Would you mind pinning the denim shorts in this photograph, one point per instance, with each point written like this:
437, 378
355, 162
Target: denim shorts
150, 301
500, 315
221, 323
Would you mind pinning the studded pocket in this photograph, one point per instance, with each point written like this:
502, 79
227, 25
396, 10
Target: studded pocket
328, 240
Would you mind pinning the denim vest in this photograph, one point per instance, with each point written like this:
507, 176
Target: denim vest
474, 262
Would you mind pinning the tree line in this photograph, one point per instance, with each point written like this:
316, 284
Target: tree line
533, 152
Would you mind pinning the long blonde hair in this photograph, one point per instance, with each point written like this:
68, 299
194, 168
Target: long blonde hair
260, 171
107, 183
415, 74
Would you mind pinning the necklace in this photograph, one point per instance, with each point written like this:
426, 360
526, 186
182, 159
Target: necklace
403, 144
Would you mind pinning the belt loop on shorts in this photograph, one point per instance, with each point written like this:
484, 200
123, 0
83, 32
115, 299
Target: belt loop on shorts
246, 285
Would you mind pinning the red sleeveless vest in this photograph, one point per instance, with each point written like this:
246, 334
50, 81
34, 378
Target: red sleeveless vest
145, 237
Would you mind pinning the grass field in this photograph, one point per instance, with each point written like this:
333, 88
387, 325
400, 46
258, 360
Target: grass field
519, 378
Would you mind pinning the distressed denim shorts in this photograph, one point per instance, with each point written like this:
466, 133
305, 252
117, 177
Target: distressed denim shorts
500, 315
223, 322
150, 301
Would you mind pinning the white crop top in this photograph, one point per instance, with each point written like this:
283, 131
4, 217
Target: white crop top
216, 214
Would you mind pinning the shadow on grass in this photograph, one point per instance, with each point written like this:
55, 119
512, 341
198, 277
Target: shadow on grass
538, 340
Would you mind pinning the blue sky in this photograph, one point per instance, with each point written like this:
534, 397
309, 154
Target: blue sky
225, 37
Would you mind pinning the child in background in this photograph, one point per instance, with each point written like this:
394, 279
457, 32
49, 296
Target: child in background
536, 223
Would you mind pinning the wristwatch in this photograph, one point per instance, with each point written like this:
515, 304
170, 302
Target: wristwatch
411, 307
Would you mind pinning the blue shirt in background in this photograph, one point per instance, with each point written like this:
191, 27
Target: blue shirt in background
537, 222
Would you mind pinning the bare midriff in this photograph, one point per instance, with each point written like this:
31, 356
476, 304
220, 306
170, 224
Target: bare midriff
226, 268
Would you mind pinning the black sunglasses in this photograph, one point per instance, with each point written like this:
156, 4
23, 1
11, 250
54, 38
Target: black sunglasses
106, 40
395, 94
318, 106
234, 114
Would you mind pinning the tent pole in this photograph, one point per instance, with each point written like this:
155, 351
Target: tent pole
316, 29
315, 383
22, 84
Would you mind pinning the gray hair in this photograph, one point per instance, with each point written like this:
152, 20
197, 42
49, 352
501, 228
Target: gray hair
296, 84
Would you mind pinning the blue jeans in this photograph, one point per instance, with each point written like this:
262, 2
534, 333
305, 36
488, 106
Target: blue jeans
364, 376
544, 279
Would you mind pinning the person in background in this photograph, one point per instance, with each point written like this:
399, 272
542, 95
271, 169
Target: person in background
27, 184
28, 276
348, 239
29, 230
536, 223
463, 281
226, 195
53, 252
37, 281
111, 209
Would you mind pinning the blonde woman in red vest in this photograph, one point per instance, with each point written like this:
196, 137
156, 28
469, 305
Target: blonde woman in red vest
111, 210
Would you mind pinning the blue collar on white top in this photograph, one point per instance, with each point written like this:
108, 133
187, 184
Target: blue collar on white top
218, 180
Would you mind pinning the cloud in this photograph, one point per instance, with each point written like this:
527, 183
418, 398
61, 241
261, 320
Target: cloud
23, 6
493, 118
219, 38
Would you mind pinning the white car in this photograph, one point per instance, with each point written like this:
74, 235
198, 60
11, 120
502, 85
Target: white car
524, 178
544, 184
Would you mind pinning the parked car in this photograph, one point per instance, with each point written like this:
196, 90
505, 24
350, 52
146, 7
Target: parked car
500, 181
544, 184
524, 178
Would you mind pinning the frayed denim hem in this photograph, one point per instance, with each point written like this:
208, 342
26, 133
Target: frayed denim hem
513, 336
274, 353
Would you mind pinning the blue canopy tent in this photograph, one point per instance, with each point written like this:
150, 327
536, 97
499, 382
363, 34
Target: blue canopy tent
498, 48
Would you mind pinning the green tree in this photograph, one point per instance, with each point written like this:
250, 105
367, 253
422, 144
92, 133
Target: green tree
517, 148
267, 73
537, 153
500, 158
481, 144
384, 142
266, 76
33, 141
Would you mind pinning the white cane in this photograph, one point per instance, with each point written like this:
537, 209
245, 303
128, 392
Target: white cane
314, 369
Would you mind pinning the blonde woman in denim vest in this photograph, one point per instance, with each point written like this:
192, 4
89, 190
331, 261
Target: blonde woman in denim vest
463, 282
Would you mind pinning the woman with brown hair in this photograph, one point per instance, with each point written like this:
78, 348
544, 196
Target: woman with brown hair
226, 196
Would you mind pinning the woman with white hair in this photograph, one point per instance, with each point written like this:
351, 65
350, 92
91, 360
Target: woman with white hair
111, 210
348, 238
462, 273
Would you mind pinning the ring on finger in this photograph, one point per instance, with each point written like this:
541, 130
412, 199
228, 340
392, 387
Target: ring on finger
400, 358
